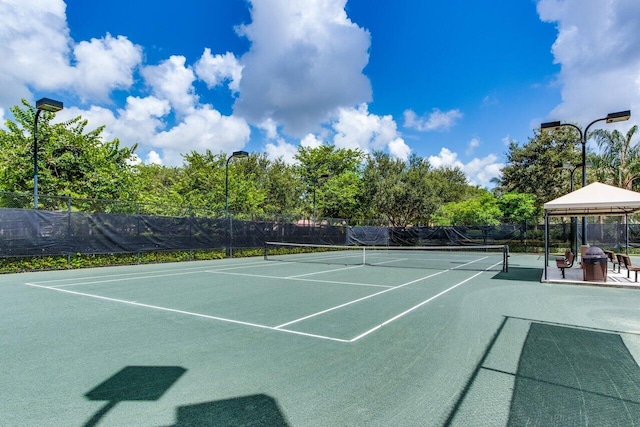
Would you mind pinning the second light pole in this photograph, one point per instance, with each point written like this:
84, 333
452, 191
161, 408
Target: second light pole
611, 118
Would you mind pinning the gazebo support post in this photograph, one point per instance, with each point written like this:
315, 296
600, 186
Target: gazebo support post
546, 243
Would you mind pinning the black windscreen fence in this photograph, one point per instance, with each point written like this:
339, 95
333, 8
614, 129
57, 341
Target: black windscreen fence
25, 232
38, 233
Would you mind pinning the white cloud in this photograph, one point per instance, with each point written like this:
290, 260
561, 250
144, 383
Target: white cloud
473, 144
270, 128
173, 80
153, 158
446, 158
478, 171
598, 49
399, 149
481, 171
104, 65
436, 120
137, 123
37, 52
311, 141
204, 129
357, 128
216, 69
305, 62
281, 149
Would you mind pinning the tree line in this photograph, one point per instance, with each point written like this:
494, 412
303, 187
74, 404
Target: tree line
324, 182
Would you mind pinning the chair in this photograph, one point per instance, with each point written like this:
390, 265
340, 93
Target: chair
583, 249
565, 261
626, 261
614, 260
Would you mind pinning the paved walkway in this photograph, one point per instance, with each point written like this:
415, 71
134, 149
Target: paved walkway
574, 276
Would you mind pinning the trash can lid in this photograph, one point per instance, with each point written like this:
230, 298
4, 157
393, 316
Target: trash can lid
594, 251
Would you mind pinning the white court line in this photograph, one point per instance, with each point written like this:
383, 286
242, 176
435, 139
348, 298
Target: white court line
404, 313
261, 263
188, 313
376, 294
121, 279
299, 279
326, 271
360, 299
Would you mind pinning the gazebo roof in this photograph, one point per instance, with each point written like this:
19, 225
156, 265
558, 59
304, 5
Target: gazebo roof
595, 199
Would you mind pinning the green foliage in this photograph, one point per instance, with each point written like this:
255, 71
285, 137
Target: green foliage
480, 210
331, 178
619, 160
71, 161
408, 193
62, 262
536, 167
519, 208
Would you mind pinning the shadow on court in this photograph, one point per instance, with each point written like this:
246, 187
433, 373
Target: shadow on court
149, 383
256, 410
520, 274
570, 376
133, 383
565, 375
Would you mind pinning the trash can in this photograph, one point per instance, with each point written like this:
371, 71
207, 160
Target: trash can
594, 265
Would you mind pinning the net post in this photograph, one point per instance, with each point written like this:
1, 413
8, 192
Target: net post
264, 251
364, 256
505, 262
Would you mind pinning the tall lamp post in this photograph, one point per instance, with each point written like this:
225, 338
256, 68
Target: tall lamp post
574, 225
52, 106
611, 118
226, 195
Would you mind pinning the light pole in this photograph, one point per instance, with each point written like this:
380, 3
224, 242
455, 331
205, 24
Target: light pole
226, 195
574, 225
611, 118
52, 106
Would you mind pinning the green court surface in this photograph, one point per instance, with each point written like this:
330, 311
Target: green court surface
252, 342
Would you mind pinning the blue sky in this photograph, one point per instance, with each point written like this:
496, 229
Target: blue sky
452, 81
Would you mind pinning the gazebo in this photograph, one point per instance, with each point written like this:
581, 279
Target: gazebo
594, 199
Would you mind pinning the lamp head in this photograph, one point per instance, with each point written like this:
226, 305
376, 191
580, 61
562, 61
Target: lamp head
50, 105
240, 154
619, 116
550, 126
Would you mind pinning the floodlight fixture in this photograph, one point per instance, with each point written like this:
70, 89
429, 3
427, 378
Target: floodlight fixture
550, 126
51, 106
620, 116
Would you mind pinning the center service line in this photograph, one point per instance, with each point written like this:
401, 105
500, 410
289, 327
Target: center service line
404, 313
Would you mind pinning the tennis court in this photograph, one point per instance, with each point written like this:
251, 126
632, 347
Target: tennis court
258, 342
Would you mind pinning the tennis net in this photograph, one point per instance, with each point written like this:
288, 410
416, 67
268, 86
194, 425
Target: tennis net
476, 258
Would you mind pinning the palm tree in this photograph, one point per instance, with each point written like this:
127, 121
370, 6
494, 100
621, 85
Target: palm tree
619, 156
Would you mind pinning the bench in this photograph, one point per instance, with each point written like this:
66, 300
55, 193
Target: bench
626, 261
565, 262
614, 260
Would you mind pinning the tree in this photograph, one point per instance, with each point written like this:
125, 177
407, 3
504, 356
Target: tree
156, 187
408, 193
536, 167
479, 210
71, 162
620, 157
283, 188
331, 178
519, 208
